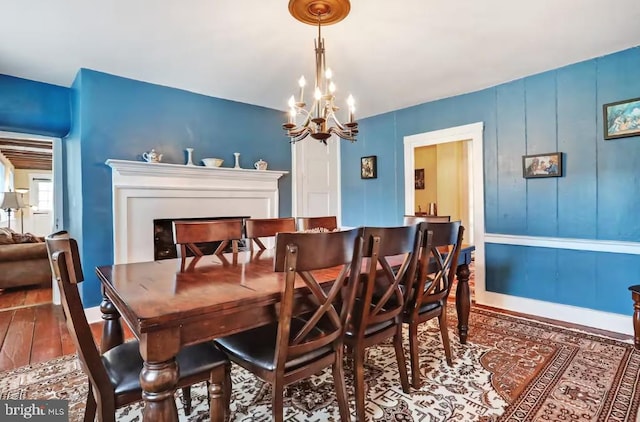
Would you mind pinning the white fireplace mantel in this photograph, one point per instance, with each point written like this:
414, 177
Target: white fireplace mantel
143, 192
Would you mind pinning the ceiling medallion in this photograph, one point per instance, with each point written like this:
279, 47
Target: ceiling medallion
320, 121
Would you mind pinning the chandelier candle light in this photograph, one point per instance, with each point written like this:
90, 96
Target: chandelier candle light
320, 121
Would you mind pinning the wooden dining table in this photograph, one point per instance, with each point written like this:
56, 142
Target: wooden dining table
220, 295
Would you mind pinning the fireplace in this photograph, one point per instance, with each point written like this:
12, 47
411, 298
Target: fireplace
164, 248
145, 192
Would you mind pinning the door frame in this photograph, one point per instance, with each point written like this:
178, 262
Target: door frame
56, 178
472, 132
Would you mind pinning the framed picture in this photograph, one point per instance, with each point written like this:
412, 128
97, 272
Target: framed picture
542, 165
369, 167
419, 178
621, 119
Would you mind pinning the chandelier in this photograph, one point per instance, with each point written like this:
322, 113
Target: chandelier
320, 120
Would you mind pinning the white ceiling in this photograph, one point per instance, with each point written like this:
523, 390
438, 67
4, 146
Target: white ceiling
389, 54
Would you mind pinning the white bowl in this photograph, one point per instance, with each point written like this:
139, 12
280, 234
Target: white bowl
212, 162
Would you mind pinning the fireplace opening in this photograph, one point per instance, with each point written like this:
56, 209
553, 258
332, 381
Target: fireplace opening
164, 248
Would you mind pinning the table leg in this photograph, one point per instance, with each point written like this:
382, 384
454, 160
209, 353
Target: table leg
158, 381
112, 330
463, 301
219, 394
159, 375
635, 295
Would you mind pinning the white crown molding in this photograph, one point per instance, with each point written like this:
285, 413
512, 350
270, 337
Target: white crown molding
611, 246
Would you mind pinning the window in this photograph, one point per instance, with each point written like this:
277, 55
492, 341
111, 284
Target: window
43, 198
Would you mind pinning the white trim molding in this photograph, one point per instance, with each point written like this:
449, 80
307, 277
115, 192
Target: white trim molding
472, 132
611, 246
93, 314
576, 315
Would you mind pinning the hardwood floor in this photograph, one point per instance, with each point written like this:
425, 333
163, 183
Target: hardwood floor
33, 334
25, 296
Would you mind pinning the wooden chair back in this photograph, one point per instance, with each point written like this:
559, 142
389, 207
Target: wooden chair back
382, 297
186, 234
415, 219
308, 223
64, 258
297, 254
267, 227
442, 244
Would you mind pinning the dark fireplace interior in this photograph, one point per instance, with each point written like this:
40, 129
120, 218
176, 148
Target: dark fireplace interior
164, 248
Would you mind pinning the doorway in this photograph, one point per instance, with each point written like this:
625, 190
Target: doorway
316, 178
28, 162
472, 137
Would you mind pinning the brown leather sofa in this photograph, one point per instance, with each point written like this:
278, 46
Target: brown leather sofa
24, 264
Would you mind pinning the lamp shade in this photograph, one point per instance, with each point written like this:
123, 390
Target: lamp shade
12, 201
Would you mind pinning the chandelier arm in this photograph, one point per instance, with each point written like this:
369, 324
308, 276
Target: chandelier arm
342, 134
299, 137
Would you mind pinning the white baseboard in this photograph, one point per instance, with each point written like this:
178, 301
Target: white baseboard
597, 319
93, 314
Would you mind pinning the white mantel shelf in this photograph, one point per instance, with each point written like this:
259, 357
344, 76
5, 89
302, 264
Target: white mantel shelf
142, 168
143, 192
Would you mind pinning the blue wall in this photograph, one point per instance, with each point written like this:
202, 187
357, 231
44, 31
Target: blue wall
598, 198
33, 107
120, 118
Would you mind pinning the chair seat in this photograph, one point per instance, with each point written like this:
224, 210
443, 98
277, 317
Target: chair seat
371, 329
258, 346
123, 364
424, 308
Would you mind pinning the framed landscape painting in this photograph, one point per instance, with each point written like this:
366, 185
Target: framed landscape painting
621, 119
542, 165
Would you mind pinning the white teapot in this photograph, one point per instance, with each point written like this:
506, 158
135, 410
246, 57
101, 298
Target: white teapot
260, 164
152, 156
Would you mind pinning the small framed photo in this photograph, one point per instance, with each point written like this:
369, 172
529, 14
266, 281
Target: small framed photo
542, 165
419, 179
369, 167
621, 119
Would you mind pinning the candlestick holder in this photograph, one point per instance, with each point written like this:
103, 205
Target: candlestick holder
189, 157
237, 155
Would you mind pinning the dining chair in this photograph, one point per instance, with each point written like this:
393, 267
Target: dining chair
329, 223
415, 219
186, 235
255, 228
377, 310
114, 376
308, 335
427, 297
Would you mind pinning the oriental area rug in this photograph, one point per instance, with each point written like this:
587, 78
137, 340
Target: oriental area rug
511, 369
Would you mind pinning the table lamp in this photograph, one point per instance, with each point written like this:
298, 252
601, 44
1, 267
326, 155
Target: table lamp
11, 201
